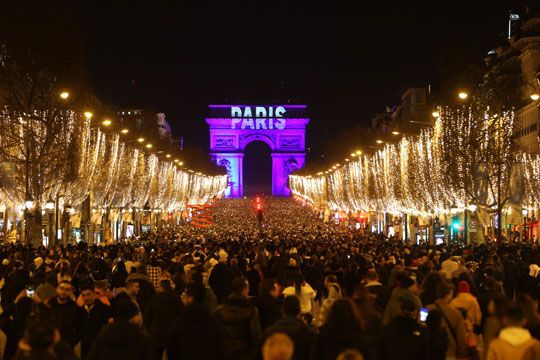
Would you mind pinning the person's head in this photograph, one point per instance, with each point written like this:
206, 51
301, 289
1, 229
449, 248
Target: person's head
408, 308
291, 306
529, 306
409, 283
343, 318
464, 287
278, 346
269, 287
444, 292
127, 311
372, 276
88, 294
64, 290
431, 281
350, 355
132, 287
193, 294
240, 286
164, 286
330, 279
50, 277
514, 317
40, 332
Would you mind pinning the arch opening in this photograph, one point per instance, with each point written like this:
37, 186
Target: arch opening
257, 169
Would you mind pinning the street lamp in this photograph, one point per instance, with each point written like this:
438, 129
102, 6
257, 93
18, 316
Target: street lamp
64, 95
124, 131
149, 146
106, 122
29, 202
535, 96
140, 140
463, 95
379, 141
435, 114
88, 115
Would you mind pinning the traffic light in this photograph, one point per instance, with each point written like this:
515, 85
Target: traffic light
456, 224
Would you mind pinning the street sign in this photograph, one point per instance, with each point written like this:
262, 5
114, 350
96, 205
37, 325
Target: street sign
473, 226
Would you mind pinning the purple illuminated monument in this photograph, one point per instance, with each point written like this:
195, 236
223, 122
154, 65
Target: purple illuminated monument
282, 127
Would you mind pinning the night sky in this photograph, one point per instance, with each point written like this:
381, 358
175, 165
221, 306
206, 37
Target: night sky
346, 62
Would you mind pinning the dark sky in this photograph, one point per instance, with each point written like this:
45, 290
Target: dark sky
345, 59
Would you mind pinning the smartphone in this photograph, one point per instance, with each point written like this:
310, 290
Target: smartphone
423, 314
29, 291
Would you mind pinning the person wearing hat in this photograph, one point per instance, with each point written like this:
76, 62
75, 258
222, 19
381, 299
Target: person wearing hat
467, 304
407, 289
123, 338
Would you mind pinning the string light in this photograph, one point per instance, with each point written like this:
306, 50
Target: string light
426, 173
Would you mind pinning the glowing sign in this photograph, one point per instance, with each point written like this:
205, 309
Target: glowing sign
258, 117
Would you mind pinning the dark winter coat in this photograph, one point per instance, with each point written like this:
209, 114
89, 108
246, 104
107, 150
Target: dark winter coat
241, 324
269, 309
159, 315
67, 317
121, 340
191, 333
404, 339
91, 324
328, 345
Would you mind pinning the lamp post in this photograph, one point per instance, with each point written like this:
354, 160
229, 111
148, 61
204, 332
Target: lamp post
28, 204
49, 206
65, 227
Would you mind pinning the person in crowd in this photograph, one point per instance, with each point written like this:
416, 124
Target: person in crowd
63, 309
278, 346
378, 290
342, 330
192, 328
154, 272
123, 338
300, 288
94, 315
119, 275
334, 293
221, 277
467, 304
42, 340
405, 338
371, 317
159, 315
12, 322
428, 293
267, 303
131, 292
240, 320
453, 322
530, 310
514, 341
494, 319
291, 324
438, 337
47, 289
407, 289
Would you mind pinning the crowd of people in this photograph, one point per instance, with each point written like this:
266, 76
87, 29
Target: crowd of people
286, 287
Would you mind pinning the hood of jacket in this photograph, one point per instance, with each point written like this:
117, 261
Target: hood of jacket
515, 336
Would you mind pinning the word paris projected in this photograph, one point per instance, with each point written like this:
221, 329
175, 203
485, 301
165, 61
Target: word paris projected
258, 117
266, 117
